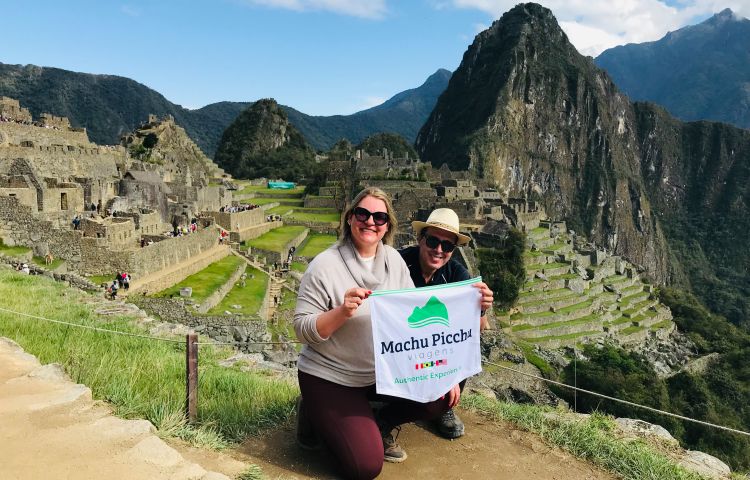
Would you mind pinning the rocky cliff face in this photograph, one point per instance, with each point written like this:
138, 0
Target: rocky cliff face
528, 113
262, 143
531, 115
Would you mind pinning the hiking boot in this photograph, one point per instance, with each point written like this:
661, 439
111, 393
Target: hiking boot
306, 437
392, 451
449, 425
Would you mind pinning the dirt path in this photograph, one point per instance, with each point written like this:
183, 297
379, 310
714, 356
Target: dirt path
52, 429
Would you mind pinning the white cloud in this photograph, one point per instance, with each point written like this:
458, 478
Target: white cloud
130, 10
595, 25
374, 9
369, 102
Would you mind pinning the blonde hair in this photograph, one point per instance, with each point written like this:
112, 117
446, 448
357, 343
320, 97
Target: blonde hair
374, 192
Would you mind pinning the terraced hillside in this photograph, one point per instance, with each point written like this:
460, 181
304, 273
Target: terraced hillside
575, 296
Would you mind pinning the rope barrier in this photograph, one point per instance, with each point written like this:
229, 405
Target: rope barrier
607, 397
547, 380
149, 337
89, 327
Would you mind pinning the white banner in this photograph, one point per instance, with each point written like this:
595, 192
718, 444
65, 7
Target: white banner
426, 340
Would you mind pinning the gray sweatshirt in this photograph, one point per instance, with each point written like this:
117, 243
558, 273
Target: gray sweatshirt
347, 356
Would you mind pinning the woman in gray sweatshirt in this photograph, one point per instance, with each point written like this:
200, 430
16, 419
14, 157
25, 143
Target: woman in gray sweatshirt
337, 363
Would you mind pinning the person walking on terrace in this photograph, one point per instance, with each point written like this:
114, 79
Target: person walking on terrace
336, 367
430, 263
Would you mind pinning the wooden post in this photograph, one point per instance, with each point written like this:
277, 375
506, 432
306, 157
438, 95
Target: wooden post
191, 390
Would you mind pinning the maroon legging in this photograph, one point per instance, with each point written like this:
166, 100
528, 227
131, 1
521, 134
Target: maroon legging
343, 419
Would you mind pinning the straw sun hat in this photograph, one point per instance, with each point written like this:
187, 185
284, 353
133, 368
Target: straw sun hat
444, 219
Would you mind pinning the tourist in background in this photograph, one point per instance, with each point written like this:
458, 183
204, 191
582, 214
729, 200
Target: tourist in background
336, 366
430, 262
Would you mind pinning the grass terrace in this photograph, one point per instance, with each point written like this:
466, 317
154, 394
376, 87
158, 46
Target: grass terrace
301, 215
207, 281
283, 327
291, 202
13, 251
249, 297
280, 210
299, 267
276, 239
263, 189
546, 266
315, 244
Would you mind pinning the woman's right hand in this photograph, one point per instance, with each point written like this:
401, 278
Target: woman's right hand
353, 298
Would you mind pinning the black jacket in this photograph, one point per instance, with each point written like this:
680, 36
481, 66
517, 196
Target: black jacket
449, 273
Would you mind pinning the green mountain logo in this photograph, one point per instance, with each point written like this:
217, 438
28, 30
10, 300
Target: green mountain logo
433, 312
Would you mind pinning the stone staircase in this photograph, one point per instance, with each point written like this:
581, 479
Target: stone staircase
567, 299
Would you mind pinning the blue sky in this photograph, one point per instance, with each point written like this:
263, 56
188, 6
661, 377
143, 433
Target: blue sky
322, 57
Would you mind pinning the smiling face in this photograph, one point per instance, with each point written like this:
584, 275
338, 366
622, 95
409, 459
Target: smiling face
431, 259
366, 235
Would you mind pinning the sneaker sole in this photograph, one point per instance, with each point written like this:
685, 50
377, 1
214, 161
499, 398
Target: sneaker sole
451, 435
395, 459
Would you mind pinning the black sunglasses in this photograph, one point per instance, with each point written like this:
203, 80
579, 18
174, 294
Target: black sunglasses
362, 214
433, 242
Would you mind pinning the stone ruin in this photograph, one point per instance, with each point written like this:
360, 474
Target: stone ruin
126, 208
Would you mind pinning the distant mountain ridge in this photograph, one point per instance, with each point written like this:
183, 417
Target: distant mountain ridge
110, 106
699, 72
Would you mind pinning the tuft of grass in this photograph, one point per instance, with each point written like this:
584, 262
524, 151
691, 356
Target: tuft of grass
253, 472
141, 378
589, 439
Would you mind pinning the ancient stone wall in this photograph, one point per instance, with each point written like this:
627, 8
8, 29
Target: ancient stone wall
19, 134
254, 232
26, 196
11, 109
62, 199
67, 162
320, 202
231, 221
172, 251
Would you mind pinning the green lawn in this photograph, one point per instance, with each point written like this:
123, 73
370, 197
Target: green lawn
13, 251
99, 279
315, 244
207, 281
299, 267
280, 210
332, 218
40, 261
262, 189
249, 297
140, 378
291, 202
276, 239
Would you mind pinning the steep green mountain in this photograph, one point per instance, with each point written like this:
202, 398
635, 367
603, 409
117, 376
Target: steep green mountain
528, 113
700, 72
262, 143
110, 106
